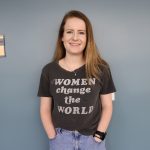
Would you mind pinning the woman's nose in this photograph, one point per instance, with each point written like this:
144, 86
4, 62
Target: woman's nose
75, 36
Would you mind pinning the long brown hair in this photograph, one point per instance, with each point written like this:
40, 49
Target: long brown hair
92, 57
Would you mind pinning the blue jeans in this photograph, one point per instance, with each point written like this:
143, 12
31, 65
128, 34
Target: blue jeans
73, 140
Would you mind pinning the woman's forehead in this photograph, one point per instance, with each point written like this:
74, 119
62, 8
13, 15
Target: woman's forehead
75, 23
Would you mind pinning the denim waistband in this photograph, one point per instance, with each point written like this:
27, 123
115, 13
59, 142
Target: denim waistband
61, 130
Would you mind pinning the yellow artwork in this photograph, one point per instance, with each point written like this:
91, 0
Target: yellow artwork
2, 46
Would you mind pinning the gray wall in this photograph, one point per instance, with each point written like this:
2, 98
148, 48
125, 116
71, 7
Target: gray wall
122, 32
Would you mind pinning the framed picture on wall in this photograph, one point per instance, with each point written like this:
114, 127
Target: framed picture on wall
2, 46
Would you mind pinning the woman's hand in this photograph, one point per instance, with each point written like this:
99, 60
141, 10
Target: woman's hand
52, 134
97, 139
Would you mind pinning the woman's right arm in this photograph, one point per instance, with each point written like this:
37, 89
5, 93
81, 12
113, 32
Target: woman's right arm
46, 117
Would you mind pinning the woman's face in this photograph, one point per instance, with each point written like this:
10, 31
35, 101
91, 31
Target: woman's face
74, 36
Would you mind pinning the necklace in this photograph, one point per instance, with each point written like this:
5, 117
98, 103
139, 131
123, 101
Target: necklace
75, 71
71, 70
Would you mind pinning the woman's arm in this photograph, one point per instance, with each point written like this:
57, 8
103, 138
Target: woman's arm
107, 108
46, 118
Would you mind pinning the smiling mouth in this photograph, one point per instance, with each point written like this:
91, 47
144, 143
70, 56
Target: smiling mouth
74, 44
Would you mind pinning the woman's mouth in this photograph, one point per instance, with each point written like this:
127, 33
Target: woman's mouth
74, 44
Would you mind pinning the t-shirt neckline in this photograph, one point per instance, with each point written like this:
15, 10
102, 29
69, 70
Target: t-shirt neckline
74, 71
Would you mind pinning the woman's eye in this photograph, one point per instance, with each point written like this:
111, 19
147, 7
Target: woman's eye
69, 32
82, 33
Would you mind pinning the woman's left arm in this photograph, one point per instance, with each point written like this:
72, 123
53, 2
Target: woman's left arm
107, 108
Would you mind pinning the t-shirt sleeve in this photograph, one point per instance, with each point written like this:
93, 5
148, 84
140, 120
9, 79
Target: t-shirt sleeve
107, 82
44, 86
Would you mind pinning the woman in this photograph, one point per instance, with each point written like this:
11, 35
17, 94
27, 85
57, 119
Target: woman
76, 89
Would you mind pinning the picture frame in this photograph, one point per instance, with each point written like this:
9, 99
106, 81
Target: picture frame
2, 46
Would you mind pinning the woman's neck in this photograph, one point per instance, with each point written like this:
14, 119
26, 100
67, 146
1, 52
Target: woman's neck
72, 63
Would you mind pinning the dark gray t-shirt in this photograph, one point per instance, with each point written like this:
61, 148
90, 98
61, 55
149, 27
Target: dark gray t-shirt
76, 101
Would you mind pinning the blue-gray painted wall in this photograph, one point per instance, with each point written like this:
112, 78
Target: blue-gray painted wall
122, 32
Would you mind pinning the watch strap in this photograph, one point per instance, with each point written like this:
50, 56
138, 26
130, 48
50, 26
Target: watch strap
101, 135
